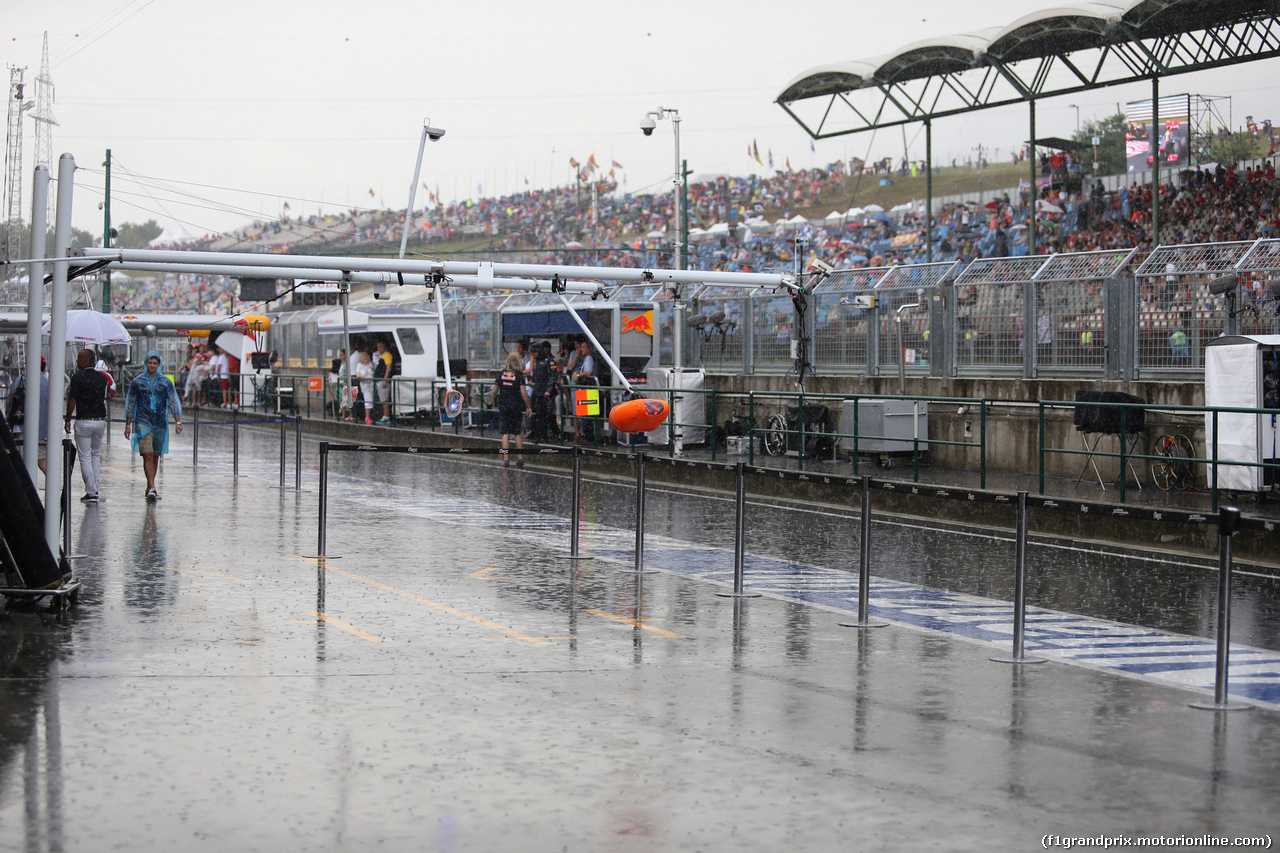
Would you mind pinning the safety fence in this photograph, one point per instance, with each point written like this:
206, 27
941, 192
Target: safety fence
1114, 314
804, 429
1229, 522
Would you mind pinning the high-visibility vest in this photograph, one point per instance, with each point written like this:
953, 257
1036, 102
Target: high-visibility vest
586, 402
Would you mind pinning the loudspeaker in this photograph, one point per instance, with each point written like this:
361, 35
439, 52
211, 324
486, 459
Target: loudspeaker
1107, 419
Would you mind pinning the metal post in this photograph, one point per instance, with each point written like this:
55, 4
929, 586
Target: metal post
864, 564
35, 302
1228, 524
65, 503
57, 351
284, 441
574, 532
297, 454
1020, 587
322, 505
640, 511
739, 537
235, 444
195, 439
639, 567
323, 502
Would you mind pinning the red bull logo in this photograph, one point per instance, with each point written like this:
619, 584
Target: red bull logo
639, 323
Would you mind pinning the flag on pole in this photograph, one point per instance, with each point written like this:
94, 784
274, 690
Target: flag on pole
770, 158
617, 165
371, 193
811, 148
755, 152
591, 163
573, 163
788, 164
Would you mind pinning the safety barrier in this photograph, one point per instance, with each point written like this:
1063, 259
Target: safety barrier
327, 447
235, 423
1228, 519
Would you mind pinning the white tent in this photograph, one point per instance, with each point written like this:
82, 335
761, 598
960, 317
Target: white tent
170, 235
874, 208
900, 208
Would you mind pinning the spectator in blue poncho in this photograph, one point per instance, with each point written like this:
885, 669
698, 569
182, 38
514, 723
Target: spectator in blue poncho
147, 405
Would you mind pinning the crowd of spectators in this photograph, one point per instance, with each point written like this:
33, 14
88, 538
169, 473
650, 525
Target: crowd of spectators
750, 223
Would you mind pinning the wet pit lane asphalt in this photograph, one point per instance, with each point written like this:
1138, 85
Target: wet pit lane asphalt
452, 682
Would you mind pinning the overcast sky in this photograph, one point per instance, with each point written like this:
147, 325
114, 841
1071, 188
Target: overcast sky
219, 114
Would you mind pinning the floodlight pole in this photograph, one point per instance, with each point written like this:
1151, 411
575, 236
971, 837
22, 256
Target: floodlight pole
1034, 194
676, 431
106, 233
1155, 160
438, 293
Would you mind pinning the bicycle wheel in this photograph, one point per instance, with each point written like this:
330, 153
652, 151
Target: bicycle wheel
1173, 470
1182, 451
774, 438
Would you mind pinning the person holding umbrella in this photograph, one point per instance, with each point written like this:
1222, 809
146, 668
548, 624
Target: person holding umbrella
147, 404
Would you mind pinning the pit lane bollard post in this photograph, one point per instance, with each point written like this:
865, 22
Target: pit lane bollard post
639, 567
1228, 524
66, 499
322, 506
284, 448
235, 444
739, 537
864, 564
1020, 588
574, 521
195, 440
297, 454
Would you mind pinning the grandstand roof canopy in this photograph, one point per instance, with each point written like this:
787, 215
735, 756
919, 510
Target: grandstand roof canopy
1046, 53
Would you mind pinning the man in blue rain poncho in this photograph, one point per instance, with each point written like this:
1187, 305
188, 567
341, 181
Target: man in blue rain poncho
150, 399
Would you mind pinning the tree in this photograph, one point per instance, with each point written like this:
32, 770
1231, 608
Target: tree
1111, 148
79, 239
1230, 148
131, 236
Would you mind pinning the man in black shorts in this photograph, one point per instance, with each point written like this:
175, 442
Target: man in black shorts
512, 397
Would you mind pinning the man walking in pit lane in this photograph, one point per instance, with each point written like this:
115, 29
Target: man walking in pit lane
87, 403
147, 405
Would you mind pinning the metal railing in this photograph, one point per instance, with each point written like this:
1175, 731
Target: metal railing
1212, 461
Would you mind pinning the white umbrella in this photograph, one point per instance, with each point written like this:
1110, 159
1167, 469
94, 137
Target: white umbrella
237, 344
1043, 206
873, 208
656, 234
91, 327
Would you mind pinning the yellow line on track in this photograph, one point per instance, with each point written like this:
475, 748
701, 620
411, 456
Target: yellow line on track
350, 629
485, 574
639, 623
453, 611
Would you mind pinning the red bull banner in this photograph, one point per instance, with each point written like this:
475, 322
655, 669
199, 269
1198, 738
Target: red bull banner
586, 402
639, 323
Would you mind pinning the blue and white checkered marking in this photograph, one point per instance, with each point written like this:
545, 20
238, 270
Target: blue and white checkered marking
1183, 661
